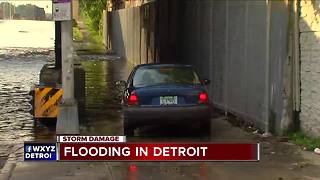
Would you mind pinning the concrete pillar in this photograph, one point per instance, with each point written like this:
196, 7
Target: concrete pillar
226, 61
267, 73
67, 60
57, 45
67, 121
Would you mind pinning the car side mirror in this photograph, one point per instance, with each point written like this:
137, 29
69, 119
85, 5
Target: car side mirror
205, 81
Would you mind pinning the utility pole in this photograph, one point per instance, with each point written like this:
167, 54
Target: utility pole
67, 121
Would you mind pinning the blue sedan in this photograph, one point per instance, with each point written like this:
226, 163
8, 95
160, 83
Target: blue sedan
158, 94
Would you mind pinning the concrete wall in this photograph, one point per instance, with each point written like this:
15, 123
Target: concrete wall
243, 46
132, 33
227, 41
310, 67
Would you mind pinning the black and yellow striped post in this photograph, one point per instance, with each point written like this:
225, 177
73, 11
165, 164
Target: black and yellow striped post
46, 102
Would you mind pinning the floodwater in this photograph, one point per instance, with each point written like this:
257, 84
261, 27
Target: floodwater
26, 34
22, 55
102, 109
25, 46
18, 74
19, 71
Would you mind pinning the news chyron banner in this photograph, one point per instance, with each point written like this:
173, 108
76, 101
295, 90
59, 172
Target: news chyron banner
115, 148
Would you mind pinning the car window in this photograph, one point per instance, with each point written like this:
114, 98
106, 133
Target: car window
149, 76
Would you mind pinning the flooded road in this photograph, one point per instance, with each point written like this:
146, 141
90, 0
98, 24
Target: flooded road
102, 108
103, 115
19, 72
25, 46
26, 34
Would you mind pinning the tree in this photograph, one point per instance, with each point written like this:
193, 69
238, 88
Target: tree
93, 10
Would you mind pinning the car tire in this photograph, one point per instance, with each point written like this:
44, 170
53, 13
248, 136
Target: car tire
128, 129
206, 125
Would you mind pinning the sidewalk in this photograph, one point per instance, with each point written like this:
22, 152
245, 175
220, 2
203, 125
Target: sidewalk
87, 46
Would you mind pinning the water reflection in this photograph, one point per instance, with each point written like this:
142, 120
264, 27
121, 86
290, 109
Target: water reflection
24, 48
18, 75
102, 109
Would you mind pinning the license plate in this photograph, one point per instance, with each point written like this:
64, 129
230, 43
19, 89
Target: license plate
168, 100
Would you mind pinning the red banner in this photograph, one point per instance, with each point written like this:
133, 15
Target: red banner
158, 152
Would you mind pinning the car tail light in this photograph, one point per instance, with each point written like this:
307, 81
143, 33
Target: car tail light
203, 98
133, 99
133, 168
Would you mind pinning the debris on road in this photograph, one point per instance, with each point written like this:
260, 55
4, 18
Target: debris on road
266, 135
317, 151
255, 132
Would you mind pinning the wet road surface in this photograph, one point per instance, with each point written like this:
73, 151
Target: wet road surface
103, 109
19, 71
24, 48
103, 117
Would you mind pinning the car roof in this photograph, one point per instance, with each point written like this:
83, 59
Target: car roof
163, 65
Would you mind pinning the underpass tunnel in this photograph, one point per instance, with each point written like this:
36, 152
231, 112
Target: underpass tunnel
243, 47
246, 49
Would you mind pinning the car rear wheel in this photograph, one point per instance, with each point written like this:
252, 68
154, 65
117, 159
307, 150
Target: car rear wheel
206, 125
128, 129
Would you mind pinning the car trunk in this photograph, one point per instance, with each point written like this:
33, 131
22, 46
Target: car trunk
169, 95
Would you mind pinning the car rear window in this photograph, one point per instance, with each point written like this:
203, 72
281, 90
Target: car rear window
150, 76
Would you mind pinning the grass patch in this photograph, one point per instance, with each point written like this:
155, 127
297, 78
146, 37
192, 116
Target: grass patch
303, 140
96, 40
95, 36
77, 34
